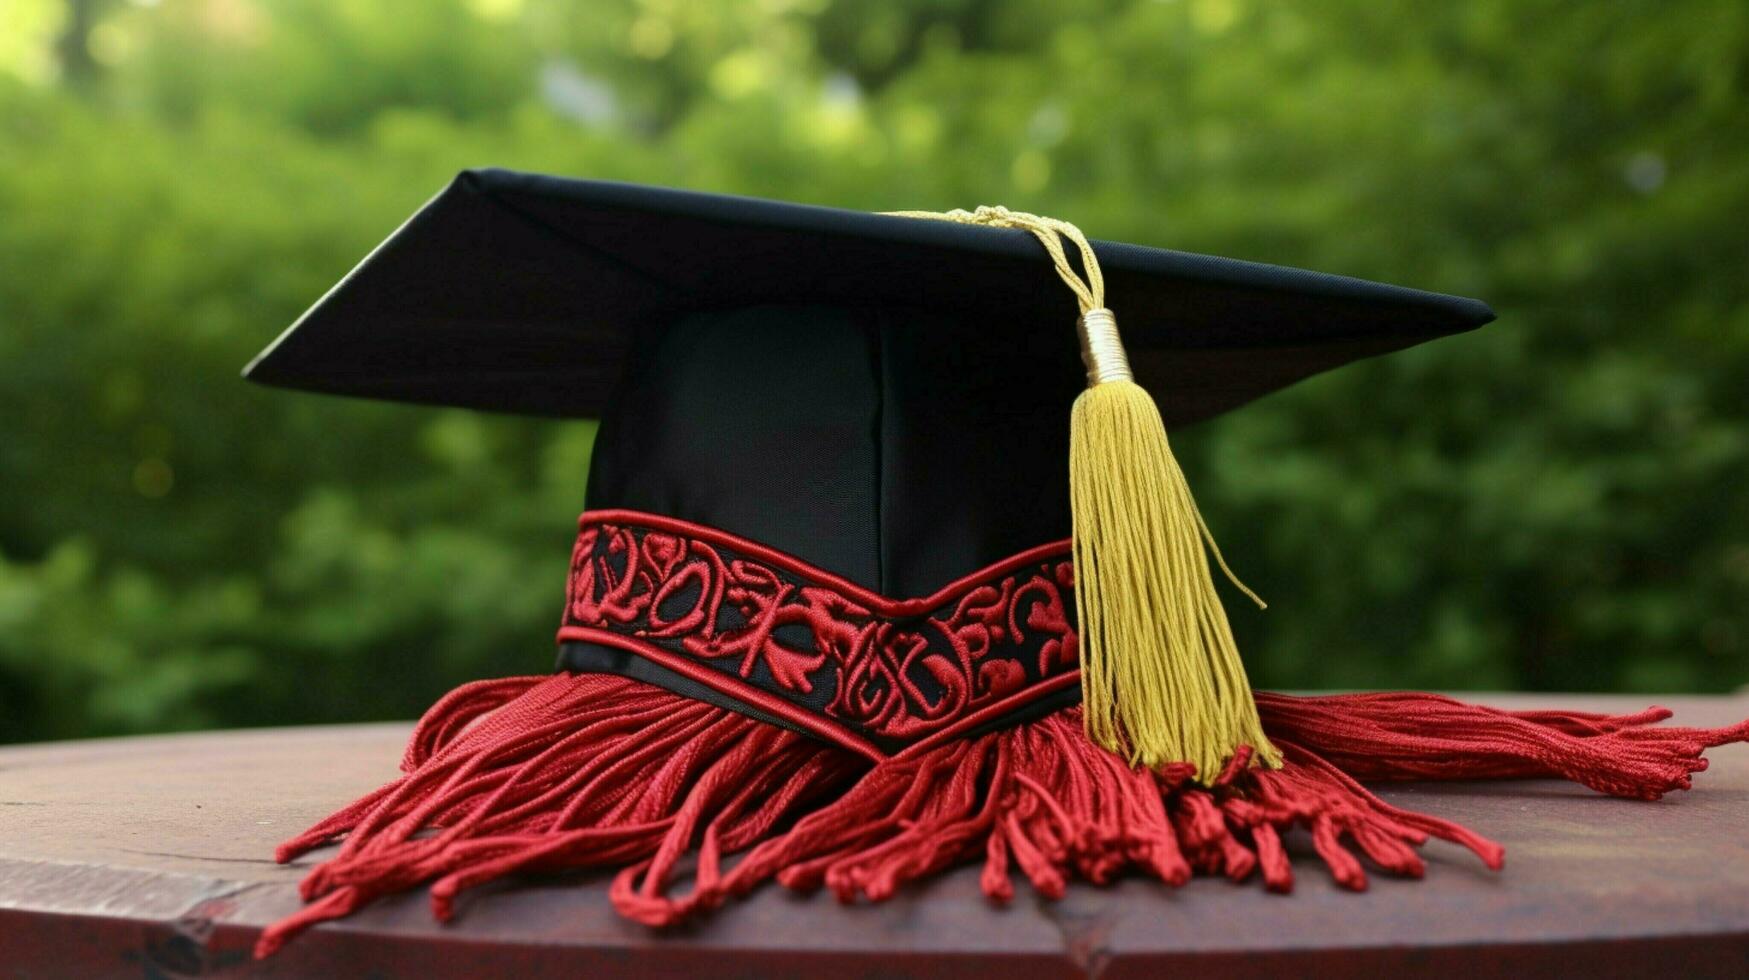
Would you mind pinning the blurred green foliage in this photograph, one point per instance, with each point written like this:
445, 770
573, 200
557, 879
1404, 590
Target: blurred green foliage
1554, 502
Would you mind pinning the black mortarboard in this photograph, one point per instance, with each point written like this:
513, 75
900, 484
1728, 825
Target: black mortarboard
525, 293
863, 526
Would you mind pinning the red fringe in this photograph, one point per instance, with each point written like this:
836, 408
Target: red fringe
557, 771
1407, 735
573, 771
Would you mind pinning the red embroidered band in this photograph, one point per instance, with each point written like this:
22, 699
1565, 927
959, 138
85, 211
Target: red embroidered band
754, 629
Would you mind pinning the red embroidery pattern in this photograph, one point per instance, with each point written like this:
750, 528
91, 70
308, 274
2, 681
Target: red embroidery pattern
890, 671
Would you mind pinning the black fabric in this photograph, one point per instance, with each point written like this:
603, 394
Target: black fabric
881, 446
524, 293
743, 422
595, 658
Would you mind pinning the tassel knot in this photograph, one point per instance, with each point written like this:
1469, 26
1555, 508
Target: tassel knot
1101, 349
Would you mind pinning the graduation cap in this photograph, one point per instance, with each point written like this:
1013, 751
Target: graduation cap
886, 562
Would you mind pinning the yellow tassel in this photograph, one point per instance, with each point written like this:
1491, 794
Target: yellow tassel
1160, 673
1161, 678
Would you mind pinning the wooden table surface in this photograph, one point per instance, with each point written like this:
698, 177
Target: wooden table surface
148, 857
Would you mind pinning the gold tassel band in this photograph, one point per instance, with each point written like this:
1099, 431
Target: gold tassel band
1101, 349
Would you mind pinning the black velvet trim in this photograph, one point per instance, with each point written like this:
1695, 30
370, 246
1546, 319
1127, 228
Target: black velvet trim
1033, 710
593, 658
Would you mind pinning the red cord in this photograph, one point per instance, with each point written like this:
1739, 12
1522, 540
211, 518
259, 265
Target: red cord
592, 770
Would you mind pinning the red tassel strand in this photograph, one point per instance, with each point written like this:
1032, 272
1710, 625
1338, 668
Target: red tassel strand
1043, 798
574, 771
557, 772
1407, 735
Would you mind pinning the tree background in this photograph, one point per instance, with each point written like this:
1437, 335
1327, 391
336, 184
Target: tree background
1554, 502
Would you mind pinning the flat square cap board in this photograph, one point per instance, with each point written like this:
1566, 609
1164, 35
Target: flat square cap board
523, 293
